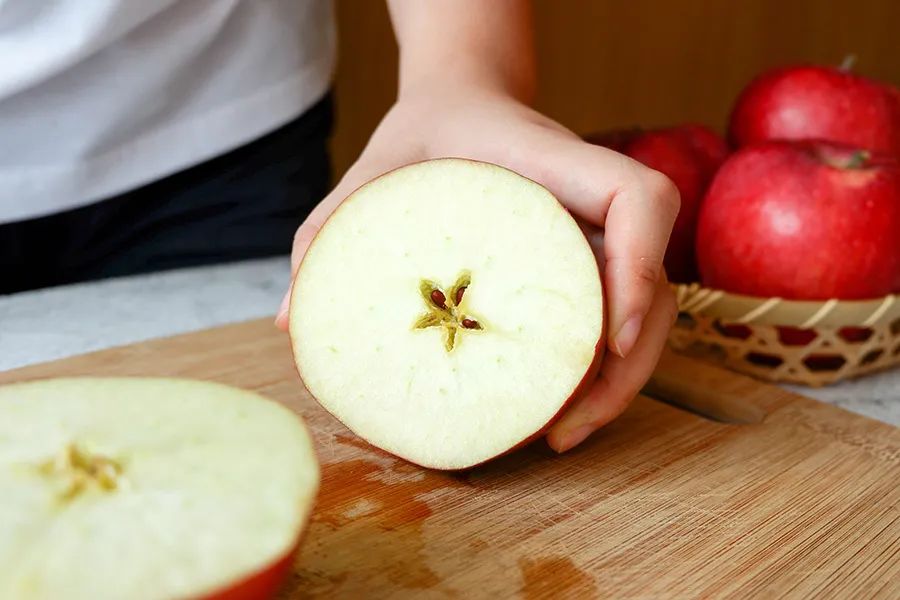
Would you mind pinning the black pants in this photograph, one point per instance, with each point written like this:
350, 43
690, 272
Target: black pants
241, 205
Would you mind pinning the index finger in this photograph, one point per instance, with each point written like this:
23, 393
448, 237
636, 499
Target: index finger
635, 205
638, 225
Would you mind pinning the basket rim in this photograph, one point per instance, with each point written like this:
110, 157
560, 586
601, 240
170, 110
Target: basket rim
695, 299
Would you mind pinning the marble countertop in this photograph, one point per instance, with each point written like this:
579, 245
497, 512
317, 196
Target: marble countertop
54, 323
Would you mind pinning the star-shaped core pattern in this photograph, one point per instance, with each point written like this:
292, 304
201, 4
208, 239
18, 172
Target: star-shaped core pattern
445, 309
79, 470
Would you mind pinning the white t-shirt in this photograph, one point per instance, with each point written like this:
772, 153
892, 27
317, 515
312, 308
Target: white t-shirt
101, 96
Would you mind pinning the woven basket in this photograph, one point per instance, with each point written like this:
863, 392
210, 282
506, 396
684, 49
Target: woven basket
813, 343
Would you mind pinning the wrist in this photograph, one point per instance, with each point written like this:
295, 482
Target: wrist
477, 44
453, 75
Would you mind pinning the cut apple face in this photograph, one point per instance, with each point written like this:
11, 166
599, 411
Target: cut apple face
447, 312
148, 488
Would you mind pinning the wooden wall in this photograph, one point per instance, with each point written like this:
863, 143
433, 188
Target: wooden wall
606, 63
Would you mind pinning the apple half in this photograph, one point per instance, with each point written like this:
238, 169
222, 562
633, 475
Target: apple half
447, 312
148, 488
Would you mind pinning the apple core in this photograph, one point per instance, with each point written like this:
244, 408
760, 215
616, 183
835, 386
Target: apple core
451, 318
77, 470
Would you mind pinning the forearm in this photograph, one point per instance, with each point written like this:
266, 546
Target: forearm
452, 42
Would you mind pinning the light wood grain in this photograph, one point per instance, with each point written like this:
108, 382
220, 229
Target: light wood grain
660, 504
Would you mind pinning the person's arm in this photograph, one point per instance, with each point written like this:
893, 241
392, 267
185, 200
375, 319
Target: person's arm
466, 77
487, 45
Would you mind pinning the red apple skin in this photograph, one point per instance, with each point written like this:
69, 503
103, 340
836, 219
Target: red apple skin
262, 585
794, 220
813, 102
708, 144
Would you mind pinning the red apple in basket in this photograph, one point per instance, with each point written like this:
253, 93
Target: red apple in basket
708, 146
149, 488
802, 220
448, 312
688, 155
812, 102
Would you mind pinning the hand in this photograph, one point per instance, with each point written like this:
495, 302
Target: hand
635, 206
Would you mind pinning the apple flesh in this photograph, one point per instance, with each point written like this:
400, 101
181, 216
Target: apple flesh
447, 312
148, 488
803, 221
813, 102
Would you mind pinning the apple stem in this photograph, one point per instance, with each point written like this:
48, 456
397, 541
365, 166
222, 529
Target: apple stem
858, 159
848, 63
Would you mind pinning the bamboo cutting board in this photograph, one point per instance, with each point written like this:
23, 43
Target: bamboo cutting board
662, 503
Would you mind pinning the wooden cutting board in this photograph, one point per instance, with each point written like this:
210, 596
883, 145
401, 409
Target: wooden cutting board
661, 503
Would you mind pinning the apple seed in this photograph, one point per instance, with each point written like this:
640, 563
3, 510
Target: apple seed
459, 287
437, 296
470, 324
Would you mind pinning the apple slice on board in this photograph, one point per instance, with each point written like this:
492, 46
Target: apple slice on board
447, 312
148, 488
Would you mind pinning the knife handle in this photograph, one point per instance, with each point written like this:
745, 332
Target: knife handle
703, 389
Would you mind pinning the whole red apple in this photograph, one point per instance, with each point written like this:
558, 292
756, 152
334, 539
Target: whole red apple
688, 155
802, 220
811, 102
708, 146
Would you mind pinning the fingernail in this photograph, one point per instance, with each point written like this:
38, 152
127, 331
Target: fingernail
283, 309
575, 437
627, 336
